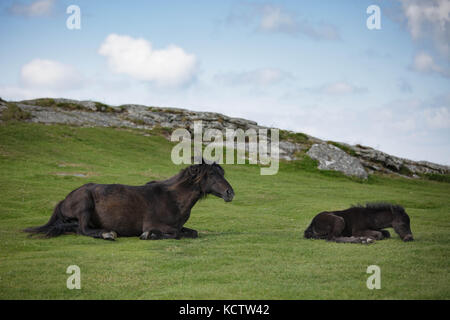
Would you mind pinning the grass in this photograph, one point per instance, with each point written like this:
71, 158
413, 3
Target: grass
251, 248
14, 113
405, 171
296, 137
437, 177
343, 147
137, 121
71, 106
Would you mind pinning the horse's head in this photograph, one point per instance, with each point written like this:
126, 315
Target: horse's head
401, 224
211, 180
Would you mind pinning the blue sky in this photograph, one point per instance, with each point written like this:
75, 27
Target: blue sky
308, 66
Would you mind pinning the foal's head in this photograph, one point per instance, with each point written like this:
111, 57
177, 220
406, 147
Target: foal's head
386, 215
210, 179
401, 223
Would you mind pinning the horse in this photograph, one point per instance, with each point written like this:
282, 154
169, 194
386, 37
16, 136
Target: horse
156, 210
361, 224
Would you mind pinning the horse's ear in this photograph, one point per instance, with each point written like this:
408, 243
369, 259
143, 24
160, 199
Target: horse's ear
208, 162
193, 170
196, 160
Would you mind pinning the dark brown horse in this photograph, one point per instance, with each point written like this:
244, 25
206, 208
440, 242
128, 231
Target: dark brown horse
361, 224
156, 210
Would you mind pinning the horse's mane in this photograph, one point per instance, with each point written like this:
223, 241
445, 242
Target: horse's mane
380, 206
192, 175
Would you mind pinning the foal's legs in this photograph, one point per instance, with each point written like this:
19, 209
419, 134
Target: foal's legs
338, 227
376, 235
329, 226
353, 239
326, 226
386, 234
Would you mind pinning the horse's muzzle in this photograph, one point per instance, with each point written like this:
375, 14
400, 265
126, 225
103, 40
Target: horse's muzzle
229, 195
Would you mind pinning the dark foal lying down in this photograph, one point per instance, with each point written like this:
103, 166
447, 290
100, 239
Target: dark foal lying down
156, 210
361, 224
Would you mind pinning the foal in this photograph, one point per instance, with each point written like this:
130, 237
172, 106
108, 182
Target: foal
361, 224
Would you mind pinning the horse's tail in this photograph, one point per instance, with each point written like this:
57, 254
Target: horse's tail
56, 225
309, 232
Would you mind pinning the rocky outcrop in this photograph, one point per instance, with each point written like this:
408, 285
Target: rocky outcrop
375, 160
331, 157
356, 160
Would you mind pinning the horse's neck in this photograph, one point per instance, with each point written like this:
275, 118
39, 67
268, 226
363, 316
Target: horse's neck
186, 197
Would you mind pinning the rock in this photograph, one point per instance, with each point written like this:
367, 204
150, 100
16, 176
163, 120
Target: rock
361, 160
333, 158
288, 149
384, 162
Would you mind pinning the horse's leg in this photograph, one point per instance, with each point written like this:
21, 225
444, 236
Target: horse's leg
80, 205
188, 233
162, 233
84, 229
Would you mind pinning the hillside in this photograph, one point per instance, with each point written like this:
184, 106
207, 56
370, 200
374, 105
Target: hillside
251, 248
352, 160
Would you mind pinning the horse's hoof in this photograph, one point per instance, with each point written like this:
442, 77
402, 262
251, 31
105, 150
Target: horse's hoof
189, 234
112, 235
144, 235
194, 234
408, 238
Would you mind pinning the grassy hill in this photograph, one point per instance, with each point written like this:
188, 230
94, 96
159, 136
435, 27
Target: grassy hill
251, 248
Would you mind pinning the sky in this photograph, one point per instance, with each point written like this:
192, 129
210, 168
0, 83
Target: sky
317, 67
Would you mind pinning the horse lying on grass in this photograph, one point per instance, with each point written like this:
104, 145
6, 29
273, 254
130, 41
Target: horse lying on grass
156, 210
361, 224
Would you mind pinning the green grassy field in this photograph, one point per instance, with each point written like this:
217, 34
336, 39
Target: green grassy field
251, 248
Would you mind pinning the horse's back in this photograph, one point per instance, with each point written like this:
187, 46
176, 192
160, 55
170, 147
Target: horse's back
119, 207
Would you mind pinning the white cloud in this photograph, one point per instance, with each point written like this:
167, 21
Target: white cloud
171, 66
428, 22
259, 77
339, 88
404, 85
423, 62
412, 128
420, 13
438, 118
34, 9
48, 74
275, 19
